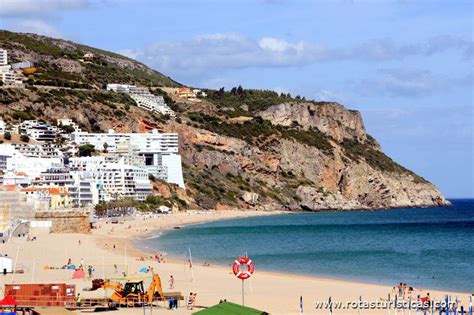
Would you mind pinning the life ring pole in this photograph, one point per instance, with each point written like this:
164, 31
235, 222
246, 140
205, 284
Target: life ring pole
243, 293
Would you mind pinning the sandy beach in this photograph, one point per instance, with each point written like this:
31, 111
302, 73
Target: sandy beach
113, 244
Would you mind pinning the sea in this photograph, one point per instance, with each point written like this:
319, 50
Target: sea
423, 247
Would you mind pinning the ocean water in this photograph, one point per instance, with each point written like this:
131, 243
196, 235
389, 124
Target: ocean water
424, 247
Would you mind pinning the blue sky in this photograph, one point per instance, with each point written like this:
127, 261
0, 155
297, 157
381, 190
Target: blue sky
406, 65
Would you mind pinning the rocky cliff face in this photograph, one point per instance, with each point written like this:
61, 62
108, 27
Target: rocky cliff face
332, 119
241, 148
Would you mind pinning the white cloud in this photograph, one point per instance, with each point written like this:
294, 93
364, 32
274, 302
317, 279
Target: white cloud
222, 51
278, 45
35, 26
401, 82
25, 8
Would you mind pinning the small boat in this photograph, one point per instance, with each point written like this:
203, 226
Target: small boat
177, 227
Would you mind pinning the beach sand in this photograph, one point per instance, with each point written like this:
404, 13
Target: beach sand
272, 292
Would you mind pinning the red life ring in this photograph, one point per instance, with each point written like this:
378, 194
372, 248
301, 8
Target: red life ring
243, 274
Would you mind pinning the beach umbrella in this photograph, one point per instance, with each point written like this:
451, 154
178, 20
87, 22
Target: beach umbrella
144, 270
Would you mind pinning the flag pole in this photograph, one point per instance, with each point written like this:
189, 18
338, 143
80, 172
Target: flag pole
33, 272
14, 264
191, 264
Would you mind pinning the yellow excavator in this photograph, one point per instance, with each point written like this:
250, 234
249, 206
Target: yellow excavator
134, 292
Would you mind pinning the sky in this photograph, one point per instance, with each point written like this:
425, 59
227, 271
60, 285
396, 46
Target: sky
406, 65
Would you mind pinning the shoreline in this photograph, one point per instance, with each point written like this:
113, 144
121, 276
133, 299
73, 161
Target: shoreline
115, 244
178, 259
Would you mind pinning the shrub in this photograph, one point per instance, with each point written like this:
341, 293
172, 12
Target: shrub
24, 138
7, 136
86, 149
68, 129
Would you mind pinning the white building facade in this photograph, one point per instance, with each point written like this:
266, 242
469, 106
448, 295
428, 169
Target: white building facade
159, 150
118, 179
3, 57
38, 130
143, 98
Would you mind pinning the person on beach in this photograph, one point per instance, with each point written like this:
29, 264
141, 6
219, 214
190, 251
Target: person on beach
394, 291
78, 300
82, 263
190, 301
90, 271
400, 289
171, 282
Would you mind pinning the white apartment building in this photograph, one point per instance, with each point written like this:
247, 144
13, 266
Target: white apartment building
142, 97
38, 130
159, 150
69, 122
7, 73
45, 150
126, 88
31, 165
57, 175
85, 190
23, 65
118, 179
152, 103
3, 57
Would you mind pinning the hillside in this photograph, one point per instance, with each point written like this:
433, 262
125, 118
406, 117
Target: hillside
241, 148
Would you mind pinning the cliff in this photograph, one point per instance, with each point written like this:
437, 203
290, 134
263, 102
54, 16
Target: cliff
241, 148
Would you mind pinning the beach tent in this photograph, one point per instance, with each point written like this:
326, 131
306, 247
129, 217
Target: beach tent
79, 274
144, 270
228, 308
8, 301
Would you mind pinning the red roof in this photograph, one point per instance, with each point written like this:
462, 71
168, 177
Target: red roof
11, 187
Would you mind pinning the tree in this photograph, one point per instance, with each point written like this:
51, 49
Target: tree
25, 138
7, 136
86, 149
240, 90
67, 128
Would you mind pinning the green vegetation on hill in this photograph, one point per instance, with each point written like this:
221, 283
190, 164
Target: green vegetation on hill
255, 100
375, 158
258, 131
104, 69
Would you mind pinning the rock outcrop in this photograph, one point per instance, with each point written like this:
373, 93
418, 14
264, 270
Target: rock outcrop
332, 119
